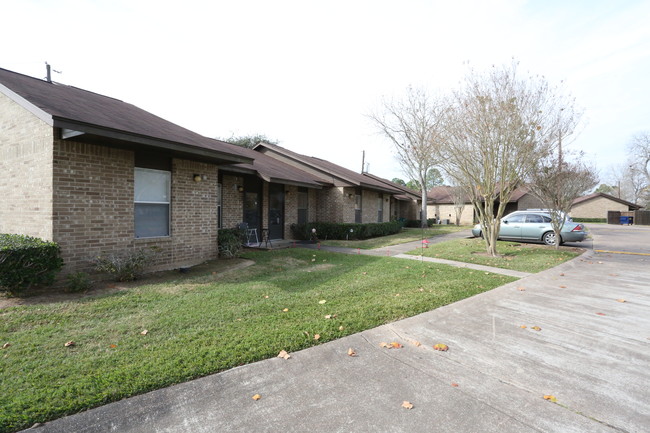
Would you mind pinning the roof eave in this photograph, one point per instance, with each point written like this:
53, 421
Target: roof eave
221, 157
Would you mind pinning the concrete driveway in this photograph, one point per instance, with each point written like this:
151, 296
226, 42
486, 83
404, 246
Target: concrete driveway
591, 353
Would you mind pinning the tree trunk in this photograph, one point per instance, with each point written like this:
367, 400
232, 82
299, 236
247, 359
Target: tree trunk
423, 211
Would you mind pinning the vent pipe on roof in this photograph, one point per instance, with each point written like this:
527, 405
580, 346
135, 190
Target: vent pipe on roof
48, 77
363, 161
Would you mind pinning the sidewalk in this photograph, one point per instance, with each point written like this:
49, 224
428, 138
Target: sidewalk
399, 251
590, 354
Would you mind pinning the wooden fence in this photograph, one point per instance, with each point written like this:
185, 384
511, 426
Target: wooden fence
640, 217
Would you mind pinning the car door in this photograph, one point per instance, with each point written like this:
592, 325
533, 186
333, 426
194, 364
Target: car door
511, 226
534, 227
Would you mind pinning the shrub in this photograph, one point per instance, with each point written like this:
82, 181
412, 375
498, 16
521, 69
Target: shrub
78, 282
416, 223
344, 230
589, 220
125, 267
26, 261
230, 242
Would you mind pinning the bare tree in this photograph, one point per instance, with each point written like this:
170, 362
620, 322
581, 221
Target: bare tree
557, 183
640, 149
460, 199
502, 125
414, 125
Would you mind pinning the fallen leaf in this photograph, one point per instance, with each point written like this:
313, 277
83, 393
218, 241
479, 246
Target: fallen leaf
351, 352
316, 336
454, 384
620, 300
407, 405
313, 260
257, 397
341, 328
396, 294
601, 314
523, 326
113, 346
613, 275
416, 343
521, 289
562, 274
562, 287
365, 273
322, 301
550, 398
69, 344
396, 345
441, 347
144, 332
4, 346
328, 316
285, 310
284, 355
266, 296
536, 328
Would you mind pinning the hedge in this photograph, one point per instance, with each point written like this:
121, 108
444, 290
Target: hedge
344, 231
26, 261
589, 220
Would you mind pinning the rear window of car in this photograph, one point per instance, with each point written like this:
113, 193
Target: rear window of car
532, 218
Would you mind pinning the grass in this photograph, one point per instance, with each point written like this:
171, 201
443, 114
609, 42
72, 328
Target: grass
515, 256
406, 235
200, 324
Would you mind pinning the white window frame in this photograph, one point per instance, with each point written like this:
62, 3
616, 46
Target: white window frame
168, 175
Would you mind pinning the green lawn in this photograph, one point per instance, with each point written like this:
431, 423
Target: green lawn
406, 235
200, 324
516, 256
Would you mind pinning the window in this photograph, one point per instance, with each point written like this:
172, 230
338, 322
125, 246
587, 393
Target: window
380, 208
152, 202
517, 218
532, 218
303, 205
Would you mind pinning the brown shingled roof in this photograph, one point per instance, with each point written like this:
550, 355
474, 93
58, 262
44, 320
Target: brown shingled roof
76, 109
328, 171
607, 196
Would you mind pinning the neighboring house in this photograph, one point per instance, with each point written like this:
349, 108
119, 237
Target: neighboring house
597, 205
98, 175
441, 205
404, 205
346, 196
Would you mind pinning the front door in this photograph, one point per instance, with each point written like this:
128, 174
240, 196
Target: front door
276, 211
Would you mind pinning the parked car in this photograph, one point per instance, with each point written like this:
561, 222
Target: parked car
535, 226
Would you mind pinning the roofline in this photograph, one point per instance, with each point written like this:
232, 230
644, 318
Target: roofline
24, 103
605, 195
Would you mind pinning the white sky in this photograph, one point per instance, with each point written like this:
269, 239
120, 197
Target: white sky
307, 73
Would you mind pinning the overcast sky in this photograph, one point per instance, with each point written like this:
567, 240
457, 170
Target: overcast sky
307, 73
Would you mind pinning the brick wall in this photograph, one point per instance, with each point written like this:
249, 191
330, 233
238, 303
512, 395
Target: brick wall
94, 209
232, 201
447, 211
25, 172
529, 201
93, 201
290, 209
596, 208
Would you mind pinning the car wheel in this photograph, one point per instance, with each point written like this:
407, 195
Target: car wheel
549, 238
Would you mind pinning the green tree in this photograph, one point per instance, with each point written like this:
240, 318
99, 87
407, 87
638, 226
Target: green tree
398, 181
249, 141
605, 189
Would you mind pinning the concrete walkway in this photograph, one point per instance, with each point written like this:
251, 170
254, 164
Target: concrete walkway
399, 251
589, 357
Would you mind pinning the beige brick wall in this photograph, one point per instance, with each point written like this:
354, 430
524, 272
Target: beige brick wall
232, 201
529, 201
94, 209
93, 201
194, 213
447, 211
596, 208
25, 172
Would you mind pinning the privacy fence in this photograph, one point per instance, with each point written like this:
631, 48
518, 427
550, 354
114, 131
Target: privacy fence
639, 217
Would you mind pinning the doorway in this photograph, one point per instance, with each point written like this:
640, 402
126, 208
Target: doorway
276, 211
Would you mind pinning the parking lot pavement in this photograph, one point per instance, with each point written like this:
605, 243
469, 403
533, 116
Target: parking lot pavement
590, 354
